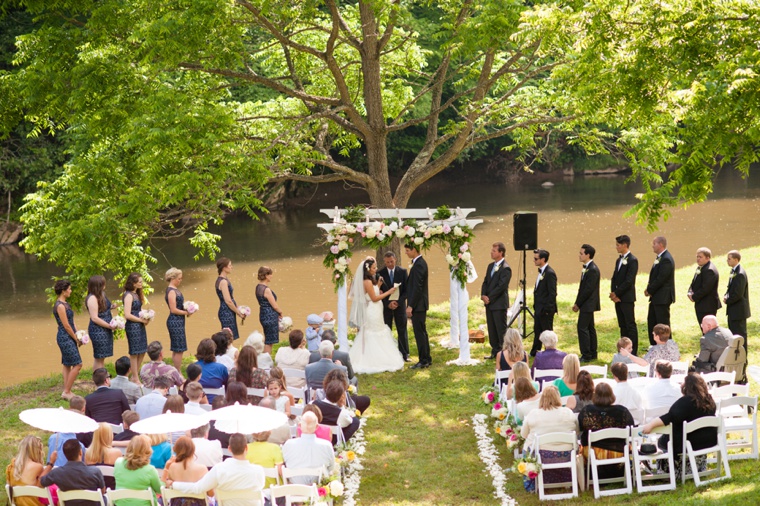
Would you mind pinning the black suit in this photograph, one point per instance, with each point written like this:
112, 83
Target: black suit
737, 302
495, 287
662, 291
398, 314
623, 285
588, 303
330, 414
106, 405
544, 306
704, 291
417, 300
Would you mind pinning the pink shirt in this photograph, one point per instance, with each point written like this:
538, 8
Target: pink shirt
322, 432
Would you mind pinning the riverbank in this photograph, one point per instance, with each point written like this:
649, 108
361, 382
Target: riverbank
420, 444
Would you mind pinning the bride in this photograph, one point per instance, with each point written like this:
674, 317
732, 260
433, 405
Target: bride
374, 349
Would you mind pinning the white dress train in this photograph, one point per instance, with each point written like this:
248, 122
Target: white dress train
374, 349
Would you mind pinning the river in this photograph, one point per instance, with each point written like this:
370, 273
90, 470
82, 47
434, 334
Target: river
575, 211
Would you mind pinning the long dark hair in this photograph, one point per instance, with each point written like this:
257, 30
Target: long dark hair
584, 387
696, 388
247, 361
96, 286
368, 263
236, 392
129, 286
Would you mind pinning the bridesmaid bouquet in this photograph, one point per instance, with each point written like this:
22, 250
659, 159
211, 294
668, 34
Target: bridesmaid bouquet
83, 337
146, 314
118, 322
286, 323
244, 310
191, 307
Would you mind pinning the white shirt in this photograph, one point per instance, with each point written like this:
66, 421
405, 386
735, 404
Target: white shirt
208, 452
662, 394
540, 421
626, 395
346, 416
194, 408
308, 451
225, 361
150, 405
232, 474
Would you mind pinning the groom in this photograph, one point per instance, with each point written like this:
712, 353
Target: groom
417, 304
395, 310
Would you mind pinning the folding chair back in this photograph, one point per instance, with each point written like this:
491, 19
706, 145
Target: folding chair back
116, 429
294, 493
168, 494
652, 413
639, 458
594, 462
337, 433
84, 495
272, 472
734, 357
681, 367
27, 491
600, 370
252, 496
214, 391
557, 438
721, 376
745, 424
123, 493
638, 369
543, 373
501, 375
257, 392
314, 472
691, 454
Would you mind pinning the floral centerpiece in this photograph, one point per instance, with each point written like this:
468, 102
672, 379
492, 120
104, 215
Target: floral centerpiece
488, 394
83, 337
191, 307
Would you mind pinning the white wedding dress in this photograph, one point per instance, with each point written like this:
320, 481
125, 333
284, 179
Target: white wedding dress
374, 349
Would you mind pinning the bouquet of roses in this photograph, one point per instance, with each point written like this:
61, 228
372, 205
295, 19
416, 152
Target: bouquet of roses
330, 486
245, 311
146, 314
499, 411
191, 307
117, 322
488, 394
286, 323
83, 337
529, 467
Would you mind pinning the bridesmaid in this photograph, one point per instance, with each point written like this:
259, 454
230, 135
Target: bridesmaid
175, 323
269, 312
101, 333
137, 337
227, 306
66, 337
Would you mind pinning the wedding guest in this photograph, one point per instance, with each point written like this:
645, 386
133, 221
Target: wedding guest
228, 308
27, 467
247, 371
137, 337
664, 349
184, 467
105, 404
235, 392
135, 471
520, 370
695, 403
295, 356
323, 431
175, 322
194, 393
338, 356
662, 393
101, 451
57, 440
74, 475
512, 351
353, 401
156, 367
263, 358
220, 340
625, 394
128, 418
208, 452
66, 337
618, 358
215, 434
279, 434
527, 398
316, 371
551, 357
711, 345
313, 332
161, 450
335, 410
175, 404
571, 366
194, 373
99, 308
265, 454
121, 382
152, 404
604, 414
584, 393
214, 374
270, 313
308, 451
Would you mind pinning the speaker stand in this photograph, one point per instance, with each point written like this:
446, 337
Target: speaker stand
524, 309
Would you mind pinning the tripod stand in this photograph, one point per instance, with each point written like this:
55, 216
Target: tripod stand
524, 309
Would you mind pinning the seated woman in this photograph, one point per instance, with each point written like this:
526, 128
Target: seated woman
550, 416
256, 340
247, 371
323, 431
511, 352
213, 374
27, 467
520, 370
221, 342
194, 373
134, 471
175, 404
101, 451
266, 454
236, 392
664, 349
527, 398
295, 356
183, 467
603, 413
551, 357
571, 366
161, 450
584, 392
695, 403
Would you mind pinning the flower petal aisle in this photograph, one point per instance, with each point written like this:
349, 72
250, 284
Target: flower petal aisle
490, 457
352, 477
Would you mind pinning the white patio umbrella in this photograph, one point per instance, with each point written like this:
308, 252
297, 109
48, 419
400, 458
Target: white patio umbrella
168, 422
58, 420
246, 419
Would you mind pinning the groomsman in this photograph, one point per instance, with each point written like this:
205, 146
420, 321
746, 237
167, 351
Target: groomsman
544, 298
395, 310
703, 291
494, 295
417, 304
661, 288
587, 303
737, 297
623, 290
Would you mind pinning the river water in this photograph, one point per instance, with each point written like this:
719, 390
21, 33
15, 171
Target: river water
575, 211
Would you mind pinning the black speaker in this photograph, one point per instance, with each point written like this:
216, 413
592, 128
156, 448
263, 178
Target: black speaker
526, 231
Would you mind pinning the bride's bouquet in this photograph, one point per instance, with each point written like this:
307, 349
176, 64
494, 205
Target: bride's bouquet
191, 307
83, 337
146, 314
117, 322
286, 323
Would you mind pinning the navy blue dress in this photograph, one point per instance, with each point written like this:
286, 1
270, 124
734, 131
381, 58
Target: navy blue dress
269, 318
226, 316
69, 349
100, 337
175, 323
137, 337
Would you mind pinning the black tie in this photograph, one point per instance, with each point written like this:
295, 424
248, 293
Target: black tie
539, 271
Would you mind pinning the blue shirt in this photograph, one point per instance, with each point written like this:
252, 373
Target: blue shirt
55, 443
214, 375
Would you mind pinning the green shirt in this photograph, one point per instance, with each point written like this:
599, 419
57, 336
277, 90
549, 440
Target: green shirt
266, 455
564, 390
138, 479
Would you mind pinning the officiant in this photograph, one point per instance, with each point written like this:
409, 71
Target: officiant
394, 307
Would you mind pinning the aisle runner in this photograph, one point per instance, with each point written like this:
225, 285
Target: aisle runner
490, 457
353, 477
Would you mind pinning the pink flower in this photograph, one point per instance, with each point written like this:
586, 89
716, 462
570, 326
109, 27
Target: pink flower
509, 431
467, 235
322, 491
464, 247
490, 396
351, 240
513, 437
364, 235
335, 260
334, 249
459, 255
497, 406
532, 475
446, 229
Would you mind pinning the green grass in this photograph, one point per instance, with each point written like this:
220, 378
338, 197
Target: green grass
420, 445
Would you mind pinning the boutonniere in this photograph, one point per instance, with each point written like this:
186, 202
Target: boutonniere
698, 271
495, 268
657, 260
540, 277
624, 261
584, 271
732, 275
411, 265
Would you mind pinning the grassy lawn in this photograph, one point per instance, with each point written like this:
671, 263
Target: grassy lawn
420, 445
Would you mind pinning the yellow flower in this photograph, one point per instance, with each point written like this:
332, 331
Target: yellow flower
498, 430
358, 413
350, 455
502, 416
521, 467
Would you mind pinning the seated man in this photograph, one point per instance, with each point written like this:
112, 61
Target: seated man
308, 451
156, 367
334, 409
625, 394
75, 475
121, 381
57, 440
105, 404
662, 393
208, 452
153, 403
337, 356
714, 340
128, 418
233, 474
315, 372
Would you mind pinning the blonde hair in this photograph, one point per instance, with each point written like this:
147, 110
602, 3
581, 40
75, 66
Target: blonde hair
138, 452
172, 273
623, 342
571, 366
520, 370
156, 439
29, 449
513, 346
550, 398
101, 443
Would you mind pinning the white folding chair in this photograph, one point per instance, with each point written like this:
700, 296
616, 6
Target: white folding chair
501, 375
124, 493
252, 496
652, 413
543, 373
294, 493
214, 391
205, 407
168, 494
638, 369
272, 472
641, 382
173, 390
744, 424
27, 491
639, 459
600, 370
598, 381
729, 377
289, 372
338, 433
682, 367
564, 399
593, 462
557, 438
299, 393
726, 392
312, 472
77, 495
691, 454
107, 471
257, 392
116, 429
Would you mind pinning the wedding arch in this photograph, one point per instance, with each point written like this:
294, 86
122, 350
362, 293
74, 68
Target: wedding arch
447, 228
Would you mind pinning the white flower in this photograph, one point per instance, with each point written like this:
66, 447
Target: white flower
458, 232
656, 260
410, 231
489, 455
343, 261
418, 240
699, 271
422, 227
625, 261
380, 236
393, 226
330, 238
584, 271
370, 232
401, 233
340, 267
466, 256
336, 488
451, 260
342, 245
350, 229
496, 268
